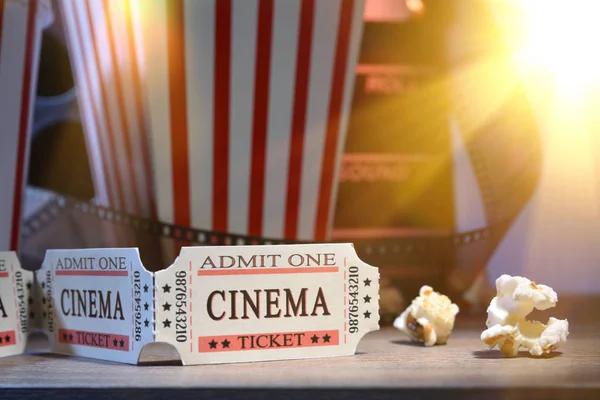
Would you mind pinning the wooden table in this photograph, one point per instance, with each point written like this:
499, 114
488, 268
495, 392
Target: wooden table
386, 365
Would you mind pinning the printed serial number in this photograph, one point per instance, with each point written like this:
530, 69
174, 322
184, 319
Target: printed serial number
181, 326
137, 296
353, 301
22, 304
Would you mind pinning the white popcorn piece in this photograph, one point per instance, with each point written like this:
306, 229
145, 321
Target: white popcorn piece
429, 319
508, 328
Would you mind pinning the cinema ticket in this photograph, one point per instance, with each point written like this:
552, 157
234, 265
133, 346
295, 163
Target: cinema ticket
252, 303
15, 302
97, 303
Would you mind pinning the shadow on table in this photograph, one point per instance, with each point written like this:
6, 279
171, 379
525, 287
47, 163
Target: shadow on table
160, 363
496, 354
407, 343
76, 359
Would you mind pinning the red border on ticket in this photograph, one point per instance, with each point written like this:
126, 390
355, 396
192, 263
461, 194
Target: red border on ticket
7, 338
100, 340
268, 341
266, 271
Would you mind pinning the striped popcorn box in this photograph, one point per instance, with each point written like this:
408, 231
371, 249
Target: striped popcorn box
106, 61
21, 24
248, 103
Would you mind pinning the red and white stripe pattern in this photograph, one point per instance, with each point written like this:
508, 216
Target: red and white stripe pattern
106, 61
20, 31
248, 104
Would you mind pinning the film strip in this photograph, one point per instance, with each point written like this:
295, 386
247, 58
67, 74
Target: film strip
58, 205
449, 262
497, 125
61, 204
506, 157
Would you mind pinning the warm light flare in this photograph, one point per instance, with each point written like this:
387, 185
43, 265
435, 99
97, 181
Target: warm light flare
415, 6
558, 39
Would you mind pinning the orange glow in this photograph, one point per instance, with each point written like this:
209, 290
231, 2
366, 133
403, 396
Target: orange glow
555, 38
415, 6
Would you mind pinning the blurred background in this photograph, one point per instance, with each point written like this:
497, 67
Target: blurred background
464, 143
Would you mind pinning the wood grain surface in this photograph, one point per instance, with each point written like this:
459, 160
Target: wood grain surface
386, 365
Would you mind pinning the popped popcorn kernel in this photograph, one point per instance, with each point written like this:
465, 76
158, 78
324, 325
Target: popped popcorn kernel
429, 319
508, 327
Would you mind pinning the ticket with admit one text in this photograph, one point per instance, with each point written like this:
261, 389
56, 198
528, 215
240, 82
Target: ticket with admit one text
229, 304
97, 303
15, 304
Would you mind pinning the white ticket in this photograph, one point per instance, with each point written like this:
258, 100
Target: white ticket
252, 303
15, 302
97, 303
